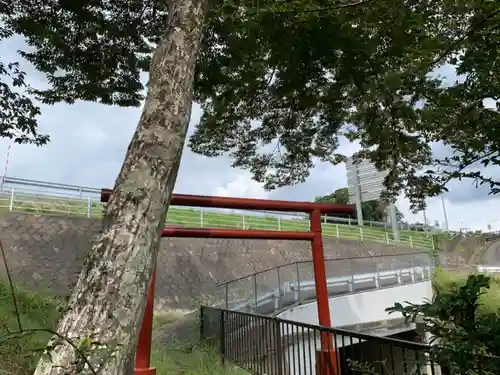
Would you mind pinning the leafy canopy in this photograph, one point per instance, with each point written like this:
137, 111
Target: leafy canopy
17, 111
280, 82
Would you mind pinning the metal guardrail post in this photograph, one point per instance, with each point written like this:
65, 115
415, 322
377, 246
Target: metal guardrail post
89, 206
412, 272
279, 287
400, 273
201, 217
351, 274
255, 290
226, 297
11, 203
298, 281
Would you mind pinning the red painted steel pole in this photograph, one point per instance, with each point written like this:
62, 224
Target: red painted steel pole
236, 233
143, 353
326, 358
320, 270
249, 204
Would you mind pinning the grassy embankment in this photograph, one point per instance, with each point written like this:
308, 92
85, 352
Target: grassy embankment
193, 217
37, 311
444, 280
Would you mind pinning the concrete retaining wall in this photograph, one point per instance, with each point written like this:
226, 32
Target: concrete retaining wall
46, 252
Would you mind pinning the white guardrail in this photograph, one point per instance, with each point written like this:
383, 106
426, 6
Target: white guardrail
486, 269
39, 197
289, 294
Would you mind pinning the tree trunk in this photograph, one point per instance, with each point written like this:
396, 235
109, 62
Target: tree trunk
108, 302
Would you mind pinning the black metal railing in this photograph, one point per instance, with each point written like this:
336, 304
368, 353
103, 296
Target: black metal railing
271, 346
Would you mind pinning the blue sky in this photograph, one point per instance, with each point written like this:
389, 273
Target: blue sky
89, 141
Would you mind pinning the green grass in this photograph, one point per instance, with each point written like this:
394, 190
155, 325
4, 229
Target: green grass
192, 360
37, 311
198, 218
449, 280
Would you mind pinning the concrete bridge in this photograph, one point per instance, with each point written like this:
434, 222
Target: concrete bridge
357, 300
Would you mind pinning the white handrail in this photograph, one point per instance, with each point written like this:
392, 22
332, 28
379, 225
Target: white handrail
26, 184
304, 286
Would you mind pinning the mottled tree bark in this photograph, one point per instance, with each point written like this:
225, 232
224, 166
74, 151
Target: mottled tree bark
108, 301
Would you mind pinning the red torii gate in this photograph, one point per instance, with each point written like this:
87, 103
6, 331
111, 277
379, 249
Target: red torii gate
326, 358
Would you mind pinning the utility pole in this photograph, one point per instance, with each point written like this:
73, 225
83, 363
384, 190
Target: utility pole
446, 227
394, 221
359, 204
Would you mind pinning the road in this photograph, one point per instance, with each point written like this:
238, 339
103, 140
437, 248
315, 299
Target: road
491, 255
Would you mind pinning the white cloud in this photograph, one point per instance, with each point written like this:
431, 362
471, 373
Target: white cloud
242, 186
89, 141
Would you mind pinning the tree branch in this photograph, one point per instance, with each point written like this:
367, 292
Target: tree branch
326, 9
11, 285
466, 35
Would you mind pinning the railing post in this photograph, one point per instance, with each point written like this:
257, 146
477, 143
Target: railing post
412, 272
351, 280
400, 272
361, 233
279, 288
298, 282
337, 230
411, 241
226, 297
89, 206
279, 347
222, 334
255, 290
378, 275
243, 224
201, 217
387, 237
12, 197
279, 223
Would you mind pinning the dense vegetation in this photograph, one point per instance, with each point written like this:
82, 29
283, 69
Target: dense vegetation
311, 72
462, 320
